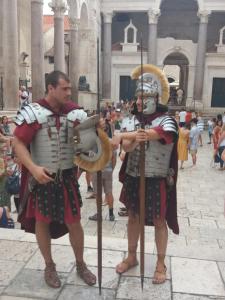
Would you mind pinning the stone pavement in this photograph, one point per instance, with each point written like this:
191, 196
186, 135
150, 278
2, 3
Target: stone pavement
195, 261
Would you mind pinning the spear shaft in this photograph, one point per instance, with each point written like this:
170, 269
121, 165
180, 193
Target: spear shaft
99, 192
142, 185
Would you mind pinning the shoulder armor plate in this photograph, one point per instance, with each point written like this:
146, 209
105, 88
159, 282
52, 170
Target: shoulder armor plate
77, 114
169, 124
33, 112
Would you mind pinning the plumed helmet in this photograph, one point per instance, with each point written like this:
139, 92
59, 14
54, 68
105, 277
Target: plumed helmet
153, 81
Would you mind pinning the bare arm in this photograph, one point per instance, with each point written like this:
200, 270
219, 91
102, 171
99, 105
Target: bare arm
38, 172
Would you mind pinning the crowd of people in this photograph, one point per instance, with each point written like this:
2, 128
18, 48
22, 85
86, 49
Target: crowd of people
51, 197
191, 127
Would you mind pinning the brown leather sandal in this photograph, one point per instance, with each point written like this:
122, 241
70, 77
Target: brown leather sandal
85, 274
159, 275
51, 276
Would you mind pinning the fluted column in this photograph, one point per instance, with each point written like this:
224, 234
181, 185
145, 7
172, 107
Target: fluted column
59, 8
74, 56
153, 16
107, 56
10, 52
201, 52
37, 50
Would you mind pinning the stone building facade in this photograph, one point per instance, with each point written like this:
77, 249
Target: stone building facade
188, 34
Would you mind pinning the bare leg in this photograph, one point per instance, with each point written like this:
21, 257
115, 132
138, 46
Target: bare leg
181, 164
44, 241
76, 235
161, 239
194, 159
133, 231
88, 178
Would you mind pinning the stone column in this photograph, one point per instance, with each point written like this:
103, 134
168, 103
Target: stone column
1, 37
37, 51
10, 52
201, 52
74, 57
59, 8
107, 56
153, 16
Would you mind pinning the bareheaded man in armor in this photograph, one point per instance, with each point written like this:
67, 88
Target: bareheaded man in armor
49, 133
159, 133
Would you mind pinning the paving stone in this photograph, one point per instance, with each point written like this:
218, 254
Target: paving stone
177, 296
17, 251
130, 288
84, 293
63, 256
16, 298
196, 277
221, 266
109, 277
1, 289
8, 270
205, 223
10, 234
109, 258
30, 283
203, 242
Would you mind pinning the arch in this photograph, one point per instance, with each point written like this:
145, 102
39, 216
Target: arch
181, 50
174, 57
130, 34
200, 3
84, 16
178, 61
222, 36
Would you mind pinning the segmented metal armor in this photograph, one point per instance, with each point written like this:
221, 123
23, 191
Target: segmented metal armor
51, 147
157, 155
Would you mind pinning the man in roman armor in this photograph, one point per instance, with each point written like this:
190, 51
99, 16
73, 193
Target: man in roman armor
46, 138
159, 133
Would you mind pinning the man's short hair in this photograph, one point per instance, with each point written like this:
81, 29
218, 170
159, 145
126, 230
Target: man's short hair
53, 79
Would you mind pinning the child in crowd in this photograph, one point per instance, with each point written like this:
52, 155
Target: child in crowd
193, 140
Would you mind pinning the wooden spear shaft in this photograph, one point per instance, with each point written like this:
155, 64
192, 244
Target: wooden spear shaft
142, 187
99, 192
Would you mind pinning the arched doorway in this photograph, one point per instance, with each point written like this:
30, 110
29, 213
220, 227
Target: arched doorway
176, 66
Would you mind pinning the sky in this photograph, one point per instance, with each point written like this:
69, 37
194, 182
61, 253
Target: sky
46, 9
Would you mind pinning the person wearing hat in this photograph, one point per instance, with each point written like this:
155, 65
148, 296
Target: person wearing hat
160, 135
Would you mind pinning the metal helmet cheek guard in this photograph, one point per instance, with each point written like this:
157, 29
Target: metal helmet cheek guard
151, 83
92, 146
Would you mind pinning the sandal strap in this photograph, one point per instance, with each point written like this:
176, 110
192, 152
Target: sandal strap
51, 276
85, 274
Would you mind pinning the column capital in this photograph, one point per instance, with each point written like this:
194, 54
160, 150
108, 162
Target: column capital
108, 16
204, 15
74, 23
153, 15
58, 7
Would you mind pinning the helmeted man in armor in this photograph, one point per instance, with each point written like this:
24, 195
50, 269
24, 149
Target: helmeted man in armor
51, 198
159, 135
